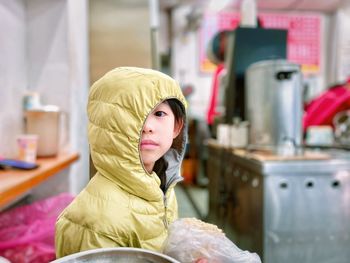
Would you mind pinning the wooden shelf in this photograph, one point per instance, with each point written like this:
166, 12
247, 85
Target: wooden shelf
14, 183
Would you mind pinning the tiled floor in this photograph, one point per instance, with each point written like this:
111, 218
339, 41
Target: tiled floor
192, 201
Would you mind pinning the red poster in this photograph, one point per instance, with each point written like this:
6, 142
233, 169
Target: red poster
303, 43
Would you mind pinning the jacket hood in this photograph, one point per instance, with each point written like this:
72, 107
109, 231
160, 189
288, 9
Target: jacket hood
118, 106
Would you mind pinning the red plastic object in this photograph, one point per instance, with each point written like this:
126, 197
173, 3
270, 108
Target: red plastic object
27, 232
212, 113
322, 110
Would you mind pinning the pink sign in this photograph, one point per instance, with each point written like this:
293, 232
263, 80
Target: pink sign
303, 43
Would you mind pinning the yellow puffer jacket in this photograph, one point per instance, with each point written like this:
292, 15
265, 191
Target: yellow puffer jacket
123, 205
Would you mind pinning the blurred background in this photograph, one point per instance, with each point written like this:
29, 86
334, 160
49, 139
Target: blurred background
268, 87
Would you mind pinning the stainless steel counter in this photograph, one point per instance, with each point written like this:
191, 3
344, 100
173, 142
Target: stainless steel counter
287, 209
324, 161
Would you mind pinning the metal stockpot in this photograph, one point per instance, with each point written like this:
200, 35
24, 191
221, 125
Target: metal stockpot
51, 125
274, 106
119, 254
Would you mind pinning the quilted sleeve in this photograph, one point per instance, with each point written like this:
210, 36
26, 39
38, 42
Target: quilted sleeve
72, 238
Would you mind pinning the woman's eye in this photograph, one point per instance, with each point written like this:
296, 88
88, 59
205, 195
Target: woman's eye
160, 113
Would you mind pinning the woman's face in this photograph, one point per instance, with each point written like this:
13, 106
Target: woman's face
158, 133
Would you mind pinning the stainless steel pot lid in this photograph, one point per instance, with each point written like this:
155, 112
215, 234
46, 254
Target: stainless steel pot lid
119, 254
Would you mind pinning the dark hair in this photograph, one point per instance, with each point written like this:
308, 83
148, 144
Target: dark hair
161, 165
177, 108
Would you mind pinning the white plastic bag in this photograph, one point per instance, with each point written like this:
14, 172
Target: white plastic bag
191, 240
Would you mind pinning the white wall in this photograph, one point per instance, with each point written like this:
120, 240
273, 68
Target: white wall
339, 55
47, 51
43, 47
79, 87
185, 64
13, 72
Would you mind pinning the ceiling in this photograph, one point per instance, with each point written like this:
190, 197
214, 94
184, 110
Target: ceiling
326, 6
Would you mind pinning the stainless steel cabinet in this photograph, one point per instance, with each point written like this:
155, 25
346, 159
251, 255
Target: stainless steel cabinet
290, 210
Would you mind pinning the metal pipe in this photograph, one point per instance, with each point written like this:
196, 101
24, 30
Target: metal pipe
154, 26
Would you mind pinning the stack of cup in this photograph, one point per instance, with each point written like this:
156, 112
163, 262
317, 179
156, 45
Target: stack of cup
235, 135
320, 135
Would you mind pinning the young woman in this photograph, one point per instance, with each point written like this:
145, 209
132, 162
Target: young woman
137, 138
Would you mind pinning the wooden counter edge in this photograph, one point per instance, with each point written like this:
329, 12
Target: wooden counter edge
56, 165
